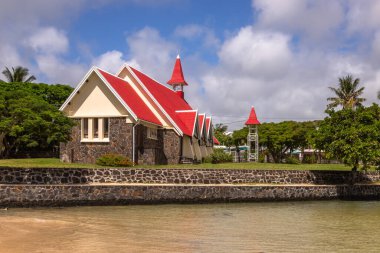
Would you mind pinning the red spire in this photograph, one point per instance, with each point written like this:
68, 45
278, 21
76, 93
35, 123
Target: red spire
252, 119
177, 76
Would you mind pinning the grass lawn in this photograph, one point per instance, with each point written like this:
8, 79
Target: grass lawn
56, 163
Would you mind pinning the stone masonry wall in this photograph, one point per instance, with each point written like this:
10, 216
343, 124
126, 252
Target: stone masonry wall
183, 176
120, 135
69, 195
164, 150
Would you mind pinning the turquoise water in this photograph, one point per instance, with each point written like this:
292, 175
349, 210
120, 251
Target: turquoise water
323, 226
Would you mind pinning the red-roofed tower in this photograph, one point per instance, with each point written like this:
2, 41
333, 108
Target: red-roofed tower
253, 136
178, 80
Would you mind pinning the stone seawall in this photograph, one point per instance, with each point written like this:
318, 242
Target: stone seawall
181, 176
71, 195
115, 186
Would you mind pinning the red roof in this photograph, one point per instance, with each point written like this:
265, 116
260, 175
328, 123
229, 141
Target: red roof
168, 99
177, 75
252, 119
189, 121
201, 122
131, 98
216, 142
208, 125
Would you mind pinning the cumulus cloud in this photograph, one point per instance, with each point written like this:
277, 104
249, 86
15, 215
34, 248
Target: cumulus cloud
194, 32
257, 53
59, 71
152, 52
49, 40
316, 20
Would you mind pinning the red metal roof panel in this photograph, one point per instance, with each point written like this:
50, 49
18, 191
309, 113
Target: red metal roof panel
131, 98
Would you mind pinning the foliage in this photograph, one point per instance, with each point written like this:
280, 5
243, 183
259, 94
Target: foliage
220, 134
28, 120
351, 135
347, 94
292, 160
280, 138
113, 160
239, 137
53, 94
18, 74
219, 156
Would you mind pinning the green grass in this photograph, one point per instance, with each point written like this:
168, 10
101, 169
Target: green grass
56, 163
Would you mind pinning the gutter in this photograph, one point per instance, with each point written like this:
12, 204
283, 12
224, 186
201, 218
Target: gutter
134, 142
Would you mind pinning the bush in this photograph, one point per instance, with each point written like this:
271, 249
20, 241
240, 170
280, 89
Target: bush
219, 156
113, 160
292, 160
207, 159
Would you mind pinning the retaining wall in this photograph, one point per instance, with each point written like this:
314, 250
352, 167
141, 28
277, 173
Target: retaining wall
69, 195
65, 187
183, 176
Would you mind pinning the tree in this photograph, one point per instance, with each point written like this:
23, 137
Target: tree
29, 121
18, 74
352, 136
347, 94
280, 138
220, 133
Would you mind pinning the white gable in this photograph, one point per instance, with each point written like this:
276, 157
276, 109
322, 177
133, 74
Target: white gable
94, 99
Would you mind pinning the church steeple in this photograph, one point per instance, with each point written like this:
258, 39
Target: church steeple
178, 80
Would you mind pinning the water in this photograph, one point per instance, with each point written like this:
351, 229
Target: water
325, 226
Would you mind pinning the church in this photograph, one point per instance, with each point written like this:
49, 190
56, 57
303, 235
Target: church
131, 114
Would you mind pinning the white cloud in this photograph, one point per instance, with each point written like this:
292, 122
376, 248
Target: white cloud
256, 53
315, 19
60, 71
49, 40
363, 16
193, 32
152, 52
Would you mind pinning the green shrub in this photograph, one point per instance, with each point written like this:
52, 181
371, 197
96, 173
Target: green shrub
292, 160
219, 156
113, 160
312, 158
207, 159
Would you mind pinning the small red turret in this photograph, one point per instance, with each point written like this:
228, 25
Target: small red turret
178, 80
252, 119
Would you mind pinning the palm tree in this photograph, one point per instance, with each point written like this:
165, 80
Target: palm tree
18, 74
347, 94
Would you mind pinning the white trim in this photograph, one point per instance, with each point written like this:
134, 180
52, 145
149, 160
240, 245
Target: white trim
203, 123
95, 140
114, 92
178, 130
99, 116
209, 127
95, 70
68, 100
196, 118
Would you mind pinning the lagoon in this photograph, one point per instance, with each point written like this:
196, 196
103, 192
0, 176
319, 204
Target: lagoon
311, 226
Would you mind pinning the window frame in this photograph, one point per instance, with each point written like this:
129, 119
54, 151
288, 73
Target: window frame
95, 129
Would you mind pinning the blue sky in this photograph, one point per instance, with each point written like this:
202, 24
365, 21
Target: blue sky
279, 56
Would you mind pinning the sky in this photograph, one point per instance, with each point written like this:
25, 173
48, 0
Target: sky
278, 56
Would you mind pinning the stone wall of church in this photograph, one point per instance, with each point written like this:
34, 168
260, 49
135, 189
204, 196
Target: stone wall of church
163, 150
120, 142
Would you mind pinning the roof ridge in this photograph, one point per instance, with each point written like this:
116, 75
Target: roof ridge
163, 85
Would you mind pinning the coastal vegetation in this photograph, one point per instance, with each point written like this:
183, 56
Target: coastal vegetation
29, 117
350, 133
